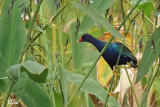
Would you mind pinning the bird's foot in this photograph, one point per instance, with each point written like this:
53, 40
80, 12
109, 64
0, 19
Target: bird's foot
115, 71
126, 67
110, 93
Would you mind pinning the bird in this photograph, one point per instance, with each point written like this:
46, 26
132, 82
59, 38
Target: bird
112, 52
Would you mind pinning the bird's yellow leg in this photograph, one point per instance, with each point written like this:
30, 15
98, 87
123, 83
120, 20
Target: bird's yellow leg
110, 93
127, 67
115, 71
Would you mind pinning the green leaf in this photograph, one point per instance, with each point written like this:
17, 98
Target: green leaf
58, 98
156, 85
77, 49
3, 86
13, 73
97, 17
35, 71
64, 83
150, 55
147, 8
101, 6
12, 34
36, 27
92, 87
51, 7
31, 93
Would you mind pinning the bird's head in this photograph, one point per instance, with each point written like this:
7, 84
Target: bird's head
85, 38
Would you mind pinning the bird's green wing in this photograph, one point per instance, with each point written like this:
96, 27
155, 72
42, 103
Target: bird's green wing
125, 51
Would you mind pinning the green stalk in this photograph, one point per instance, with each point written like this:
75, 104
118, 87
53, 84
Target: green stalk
61, 41
109, 90
52, 19
110, 87
87, 99
8, 93
30, 29
86, 76
134, 93
40, 53
60, 86
125, 69
123, 16
144, 16
3, 78
149, 86
1, 2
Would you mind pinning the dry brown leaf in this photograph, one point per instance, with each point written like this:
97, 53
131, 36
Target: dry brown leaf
137, 86
123, 84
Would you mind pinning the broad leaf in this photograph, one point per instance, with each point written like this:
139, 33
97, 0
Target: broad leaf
156, 85
64, 83
97, 17
104, 72
12, 34
101, 6
147, 8
151, 53
77, 48
35, 71
3, 86
92, 87
31, 93
14, 72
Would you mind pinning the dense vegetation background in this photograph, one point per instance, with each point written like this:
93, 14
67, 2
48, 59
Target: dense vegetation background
42, 65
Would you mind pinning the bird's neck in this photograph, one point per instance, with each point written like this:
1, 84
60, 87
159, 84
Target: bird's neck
97, 43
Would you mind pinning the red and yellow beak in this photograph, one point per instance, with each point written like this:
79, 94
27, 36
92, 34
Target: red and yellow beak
80, 40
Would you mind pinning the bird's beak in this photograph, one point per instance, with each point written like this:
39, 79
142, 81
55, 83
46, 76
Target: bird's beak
80, 40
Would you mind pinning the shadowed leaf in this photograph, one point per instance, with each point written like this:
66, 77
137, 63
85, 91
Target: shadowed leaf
31, 93
91, 86
150, 54
97, 17
12, 34
101, 6
35, 71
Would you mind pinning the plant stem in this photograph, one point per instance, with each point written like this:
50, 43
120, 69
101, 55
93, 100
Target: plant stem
52, 19
61, 41
149, 86
1, 2
123, 16
121, 46
30, 29
134, 93
40, 53
86, 76
3, 78
33, 20
8, 93
60, 85
144, 16
110, 87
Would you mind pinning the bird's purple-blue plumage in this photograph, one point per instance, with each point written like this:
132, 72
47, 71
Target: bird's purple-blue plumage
111, 53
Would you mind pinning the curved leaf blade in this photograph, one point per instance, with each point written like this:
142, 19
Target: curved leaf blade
77, 49
150, 55
31, 93
91, 86
12, 34
101, 6
35, 71
97, 17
